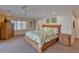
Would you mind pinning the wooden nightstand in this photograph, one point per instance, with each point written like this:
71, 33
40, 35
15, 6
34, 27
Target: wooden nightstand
64, 39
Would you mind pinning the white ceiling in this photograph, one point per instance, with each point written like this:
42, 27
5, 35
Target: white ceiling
39, 11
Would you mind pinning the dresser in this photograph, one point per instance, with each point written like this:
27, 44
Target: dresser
7, 30
65, 39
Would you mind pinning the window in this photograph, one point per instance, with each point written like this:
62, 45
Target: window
19, 25
48, 20
24, 25
54, 20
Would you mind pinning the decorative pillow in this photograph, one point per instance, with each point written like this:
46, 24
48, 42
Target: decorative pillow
48, 32
44, 34
55, 31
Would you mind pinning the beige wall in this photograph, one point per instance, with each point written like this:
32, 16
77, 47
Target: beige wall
77, 26
1, 19
64, 20
18, 32
67, 25
73, 35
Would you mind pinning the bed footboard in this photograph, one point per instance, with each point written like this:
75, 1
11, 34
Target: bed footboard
33, 44
36, 45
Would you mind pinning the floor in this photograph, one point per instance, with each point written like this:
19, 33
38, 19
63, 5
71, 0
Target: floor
59, 48
18, 44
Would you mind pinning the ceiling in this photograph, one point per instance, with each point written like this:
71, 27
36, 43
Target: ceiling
38, 11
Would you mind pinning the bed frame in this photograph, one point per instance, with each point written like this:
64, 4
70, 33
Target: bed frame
46, 45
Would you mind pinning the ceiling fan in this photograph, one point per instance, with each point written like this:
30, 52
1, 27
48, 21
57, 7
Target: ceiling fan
26, 8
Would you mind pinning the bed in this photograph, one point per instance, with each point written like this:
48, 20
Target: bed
42, 39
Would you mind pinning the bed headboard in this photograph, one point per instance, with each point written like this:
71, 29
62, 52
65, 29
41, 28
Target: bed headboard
52, 26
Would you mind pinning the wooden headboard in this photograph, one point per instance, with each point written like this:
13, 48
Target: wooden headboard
52, 26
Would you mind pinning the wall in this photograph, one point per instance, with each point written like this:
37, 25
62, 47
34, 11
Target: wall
77, 26
1, 19
18, 32
73, 35
32, 25
67, 25
66, 21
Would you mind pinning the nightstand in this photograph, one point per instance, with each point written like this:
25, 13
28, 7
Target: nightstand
64, 39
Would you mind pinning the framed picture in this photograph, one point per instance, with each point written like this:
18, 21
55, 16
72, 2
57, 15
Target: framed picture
30, 23
54, 20
48, 20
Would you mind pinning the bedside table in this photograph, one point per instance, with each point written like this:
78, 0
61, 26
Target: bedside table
64, 39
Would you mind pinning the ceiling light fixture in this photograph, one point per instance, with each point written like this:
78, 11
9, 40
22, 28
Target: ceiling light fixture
53, 13
24, 7
25, 10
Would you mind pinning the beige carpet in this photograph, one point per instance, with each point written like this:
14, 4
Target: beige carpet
59, 48
18, 44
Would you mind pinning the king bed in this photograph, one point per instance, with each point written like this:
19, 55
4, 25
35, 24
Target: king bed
44, 38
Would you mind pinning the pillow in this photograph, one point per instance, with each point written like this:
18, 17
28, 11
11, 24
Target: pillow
44, 34
55, 31
49, 31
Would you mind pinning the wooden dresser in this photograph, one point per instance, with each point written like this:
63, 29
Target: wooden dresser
64, 39
7, 30
0, 30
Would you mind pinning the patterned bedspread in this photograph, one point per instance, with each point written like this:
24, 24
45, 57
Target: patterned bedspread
40, 37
